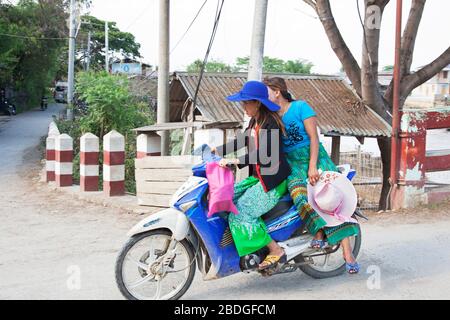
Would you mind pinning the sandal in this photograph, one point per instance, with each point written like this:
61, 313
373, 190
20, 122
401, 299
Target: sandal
318, 244
271, 261
352, 268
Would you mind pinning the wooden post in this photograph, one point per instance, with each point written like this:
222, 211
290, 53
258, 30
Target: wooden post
336, 149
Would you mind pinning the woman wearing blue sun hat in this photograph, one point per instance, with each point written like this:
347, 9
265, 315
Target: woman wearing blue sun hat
268, 167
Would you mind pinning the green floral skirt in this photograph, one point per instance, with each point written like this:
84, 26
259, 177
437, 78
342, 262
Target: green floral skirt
299, 162
247, 228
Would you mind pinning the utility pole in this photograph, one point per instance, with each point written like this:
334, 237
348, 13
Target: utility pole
106, 47
163, 72
71, 68
255, 65
88, 61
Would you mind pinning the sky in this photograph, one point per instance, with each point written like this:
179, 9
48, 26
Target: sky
292, 30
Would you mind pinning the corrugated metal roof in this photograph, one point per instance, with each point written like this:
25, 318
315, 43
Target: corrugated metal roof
338, 108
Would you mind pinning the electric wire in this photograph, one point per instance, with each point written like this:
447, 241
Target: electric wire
190, 25
205, 60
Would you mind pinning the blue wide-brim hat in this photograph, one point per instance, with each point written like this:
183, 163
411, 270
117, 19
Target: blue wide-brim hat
255, 90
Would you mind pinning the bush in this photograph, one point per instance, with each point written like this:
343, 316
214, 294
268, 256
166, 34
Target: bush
110, 104
110, 107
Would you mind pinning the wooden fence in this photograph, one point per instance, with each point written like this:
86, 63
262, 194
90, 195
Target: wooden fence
157, 178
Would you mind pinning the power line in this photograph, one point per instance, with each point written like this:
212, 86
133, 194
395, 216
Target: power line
306, 14
205, 60
139, 16
29, 37
190, 25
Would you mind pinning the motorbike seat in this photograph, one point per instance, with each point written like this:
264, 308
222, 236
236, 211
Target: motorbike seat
283, 206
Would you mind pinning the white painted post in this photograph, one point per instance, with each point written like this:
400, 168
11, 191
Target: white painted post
113, 164
89, 150
211, 137
148, 145
50, 143
50, 158
64, 158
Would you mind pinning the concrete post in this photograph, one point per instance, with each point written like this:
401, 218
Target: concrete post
255, 66
211, 137
50, 158
64, 158
257, 50
71, 67
148, 145
113, 164
50, 154
106, 46
163, 72
89, 151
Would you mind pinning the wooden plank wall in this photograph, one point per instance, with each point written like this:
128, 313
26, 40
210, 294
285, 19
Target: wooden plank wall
157, 178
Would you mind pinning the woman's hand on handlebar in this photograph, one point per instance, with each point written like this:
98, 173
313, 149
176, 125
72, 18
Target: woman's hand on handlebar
227, 162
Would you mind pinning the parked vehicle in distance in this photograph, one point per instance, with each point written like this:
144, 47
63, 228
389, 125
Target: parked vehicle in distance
60, 93
6, 107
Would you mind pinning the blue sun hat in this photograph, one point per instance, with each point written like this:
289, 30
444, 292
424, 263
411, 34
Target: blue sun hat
255, 90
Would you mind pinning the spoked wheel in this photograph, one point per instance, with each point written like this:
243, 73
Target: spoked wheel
330, 262
145, 269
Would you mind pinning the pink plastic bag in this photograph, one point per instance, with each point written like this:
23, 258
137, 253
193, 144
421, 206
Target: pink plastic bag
221, 189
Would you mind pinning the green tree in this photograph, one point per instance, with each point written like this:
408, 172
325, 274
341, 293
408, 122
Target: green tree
111, 105
277, 65
298, 66
33, 35
211, 66
121, 44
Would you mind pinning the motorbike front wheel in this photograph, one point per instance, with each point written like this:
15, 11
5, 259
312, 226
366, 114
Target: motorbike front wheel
144, 273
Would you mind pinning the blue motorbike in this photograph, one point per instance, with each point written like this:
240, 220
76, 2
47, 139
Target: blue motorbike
159, 260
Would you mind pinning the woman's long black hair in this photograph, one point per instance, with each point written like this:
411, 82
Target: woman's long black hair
263, 115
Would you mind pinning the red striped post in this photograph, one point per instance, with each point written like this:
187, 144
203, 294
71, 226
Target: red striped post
50, 158
50, 152
89, 151
64, 158
114, 164
148, 145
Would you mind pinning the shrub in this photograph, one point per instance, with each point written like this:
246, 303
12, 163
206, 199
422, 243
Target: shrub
110, 107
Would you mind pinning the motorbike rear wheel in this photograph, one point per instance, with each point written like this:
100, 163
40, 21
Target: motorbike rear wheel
137, 270
328, 265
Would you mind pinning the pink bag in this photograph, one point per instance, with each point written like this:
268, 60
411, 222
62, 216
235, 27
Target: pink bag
221, 189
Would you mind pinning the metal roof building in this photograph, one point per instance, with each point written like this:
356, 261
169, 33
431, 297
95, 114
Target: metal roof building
339, 109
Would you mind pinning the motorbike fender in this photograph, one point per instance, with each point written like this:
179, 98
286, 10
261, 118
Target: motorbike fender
170, 218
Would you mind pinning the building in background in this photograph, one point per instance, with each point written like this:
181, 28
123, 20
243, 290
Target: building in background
131, 67
433, 93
